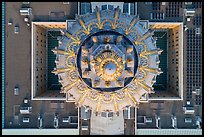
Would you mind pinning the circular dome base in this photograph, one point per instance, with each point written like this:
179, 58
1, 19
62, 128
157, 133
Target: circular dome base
111, 77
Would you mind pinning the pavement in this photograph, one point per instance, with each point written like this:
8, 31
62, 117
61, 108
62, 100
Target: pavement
107, 126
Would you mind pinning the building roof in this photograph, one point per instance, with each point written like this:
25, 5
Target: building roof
28, 131
169, 132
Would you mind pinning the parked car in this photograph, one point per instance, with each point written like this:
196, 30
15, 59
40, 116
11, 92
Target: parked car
16, 29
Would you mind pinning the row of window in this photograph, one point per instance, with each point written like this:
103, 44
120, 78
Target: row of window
41, 76
193, 81
190, 84
198, 78
172, 13
40, 33
173, 41
194, 57
38, 69
127, 8
41, 40
37, 52
193, 60
193, 37
156, 6
197, 21
41, 61
173, 87
104, 7
193, 85
193, 44
173, 76
194, 71
157, 16
176, 4
197, 4
194, 75
173, 9
193, 52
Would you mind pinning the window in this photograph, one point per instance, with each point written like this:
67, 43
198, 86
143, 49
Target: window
125, 8
104, 7
110, 7
85, 7
132, 9
172, 52
197, 30
129, 8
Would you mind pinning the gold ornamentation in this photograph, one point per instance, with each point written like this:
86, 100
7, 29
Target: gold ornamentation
104, 75
147, 53
130, 96
107, 97
144, 86
69, 86
93, 95
133, 22
116, 14
120, 95
74, 40
146, 35
101, 61
60, 70
86, 30
82, 98
98, 104
99, 24
115, 103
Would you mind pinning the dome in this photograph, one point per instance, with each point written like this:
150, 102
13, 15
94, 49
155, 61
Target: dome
110, 68
112, 77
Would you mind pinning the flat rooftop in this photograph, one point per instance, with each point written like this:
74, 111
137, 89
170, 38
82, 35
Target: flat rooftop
18, 56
